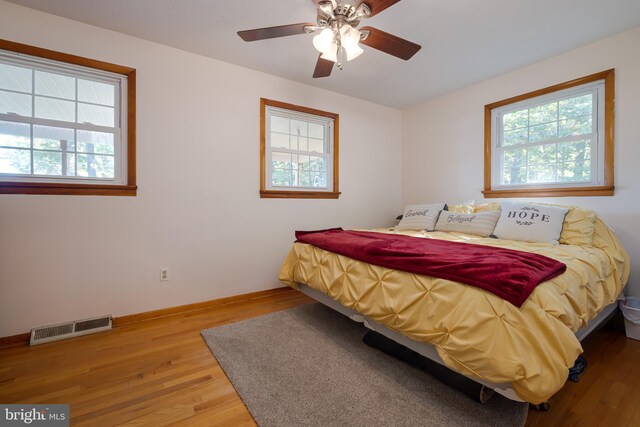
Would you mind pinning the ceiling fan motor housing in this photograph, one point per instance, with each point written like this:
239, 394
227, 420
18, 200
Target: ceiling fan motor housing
328, 15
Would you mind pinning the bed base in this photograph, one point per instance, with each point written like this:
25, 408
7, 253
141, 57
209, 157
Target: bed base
429, 351
466, 385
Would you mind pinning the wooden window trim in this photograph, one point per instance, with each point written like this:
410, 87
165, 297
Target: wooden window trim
607, 189
129, 189
296, 194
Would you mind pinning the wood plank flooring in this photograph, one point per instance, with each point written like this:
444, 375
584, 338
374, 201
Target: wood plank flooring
160, 372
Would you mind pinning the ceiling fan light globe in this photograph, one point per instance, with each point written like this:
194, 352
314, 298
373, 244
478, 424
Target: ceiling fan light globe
362, 10
349, 38
324, 41
353, 51
331, 54
349, 35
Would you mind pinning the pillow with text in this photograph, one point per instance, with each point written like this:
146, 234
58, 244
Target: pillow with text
481, 223
530, 222
420, 217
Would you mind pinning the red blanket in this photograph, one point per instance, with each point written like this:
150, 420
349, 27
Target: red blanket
510, 274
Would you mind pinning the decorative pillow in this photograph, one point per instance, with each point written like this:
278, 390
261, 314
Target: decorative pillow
471, 207
487, 207
464, 207
530, 222
481, 223
420, 217
578, 227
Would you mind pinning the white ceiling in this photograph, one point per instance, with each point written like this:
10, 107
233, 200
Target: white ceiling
463, 41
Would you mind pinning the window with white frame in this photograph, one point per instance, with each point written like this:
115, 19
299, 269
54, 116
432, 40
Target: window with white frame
554, 141
300, 151
62, 124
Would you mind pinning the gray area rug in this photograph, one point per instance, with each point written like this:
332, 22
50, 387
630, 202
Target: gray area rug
308, 366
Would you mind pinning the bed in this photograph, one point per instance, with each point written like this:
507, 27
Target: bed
523, 353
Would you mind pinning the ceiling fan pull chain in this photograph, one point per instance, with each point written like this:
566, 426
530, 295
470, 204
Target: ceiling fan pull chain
339, 43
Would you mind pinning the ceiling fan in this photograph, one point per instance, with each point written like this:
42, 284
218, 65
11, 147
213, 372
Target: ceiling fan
338, 33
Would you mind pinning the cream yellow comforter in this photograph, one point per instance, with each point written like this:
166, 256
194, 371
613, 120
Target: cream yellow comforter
474, 331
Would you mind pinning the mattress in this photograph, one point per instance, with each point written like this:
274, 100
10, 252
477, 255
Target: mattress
475, 332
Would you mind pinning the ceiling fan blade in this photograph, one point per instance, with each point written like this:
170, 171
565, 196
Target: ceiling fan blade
388, 43
273, 32
323, 68
377, 6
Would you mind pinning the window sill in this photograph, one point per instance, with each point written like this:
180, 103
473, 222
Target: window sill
279, 194
550, 192
8, 187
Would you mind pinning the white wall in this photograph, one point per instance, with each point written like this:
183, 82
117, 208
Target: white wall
443, 142
198, 211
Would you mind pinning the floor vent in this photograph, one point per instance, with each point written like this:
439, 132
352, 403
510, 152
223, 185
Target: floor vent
66, 330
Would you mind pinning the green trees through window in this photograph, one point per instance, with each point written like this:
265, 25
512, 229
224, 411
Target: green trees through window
553, 141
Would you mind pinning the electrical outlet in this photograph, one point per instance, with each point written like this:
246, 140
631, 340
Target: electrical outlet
164, 274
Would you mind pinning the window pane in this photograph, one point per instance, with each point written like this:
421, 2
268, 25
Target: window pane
95, 142
543, 114
304, 178
15, 134
515, 120
316, 131
318, 180
96, 92
575, 171
15, 78
95, 166
316, 145
47, 163
543, 154
317, 164
541, 174
56, 85
576, 107
299, 143
55, 109
279, 140
519, 136
514, 175
515, 157
514, 166
282, 177
578, 126
574, 151
16, 103
281, 160
71, 164
299, 128
15, 161
303, 163
543, 132
279, 124
49, 138
95, 114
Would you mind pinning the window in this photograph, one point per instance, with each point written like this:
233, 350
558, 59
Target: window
556, 141
299, 152
67, 124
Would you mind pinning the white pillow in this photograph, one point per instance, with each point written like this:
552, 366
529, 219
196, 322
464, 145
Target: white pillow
530, 222
420, 217
481, 223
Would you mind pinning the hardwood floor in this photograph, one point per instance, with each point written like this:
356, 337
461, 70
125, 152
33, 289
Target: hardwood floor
160, 372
